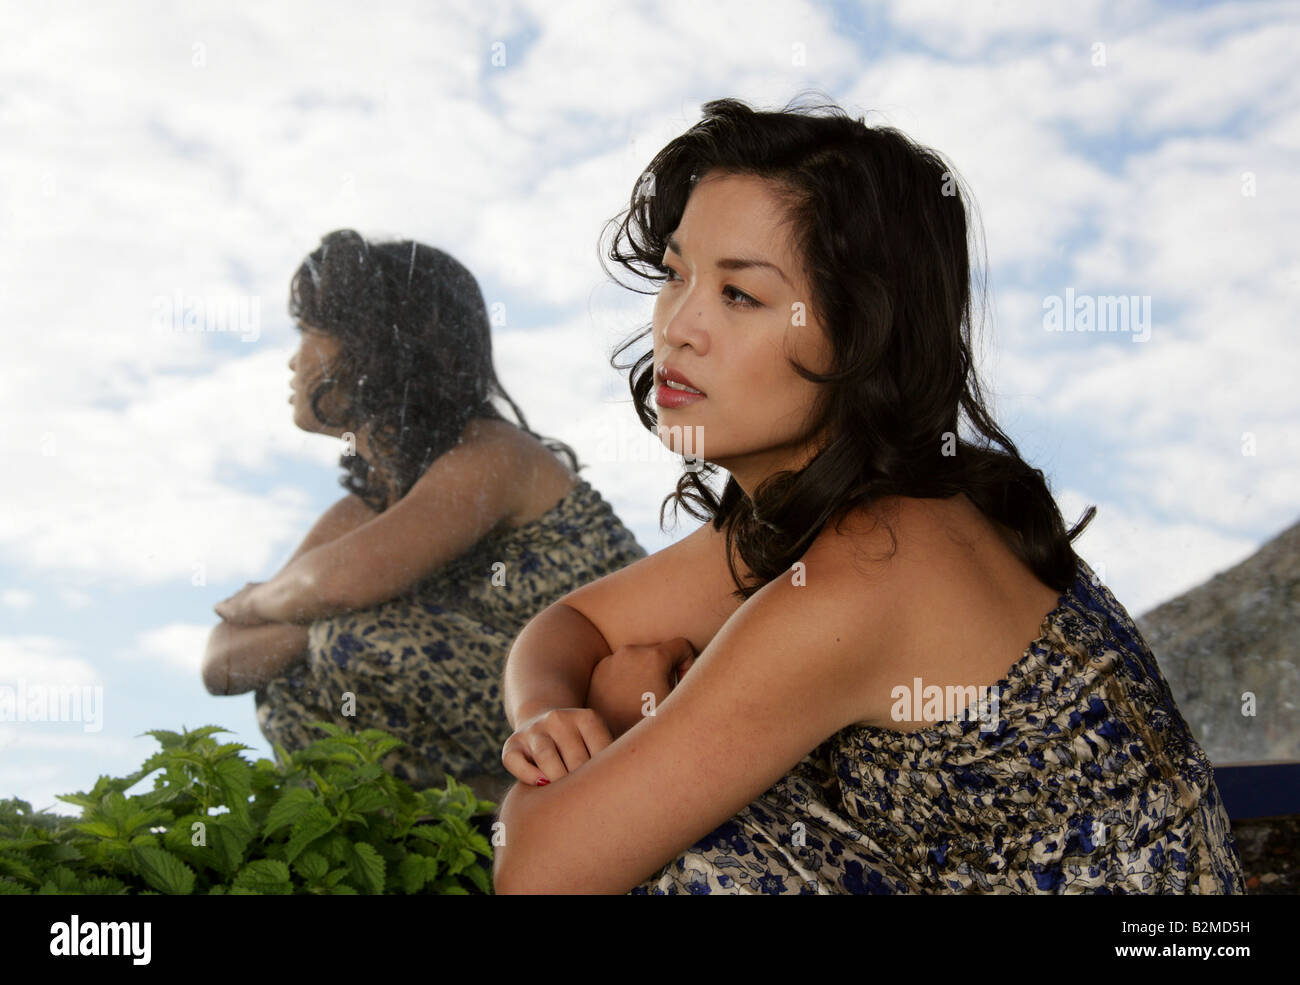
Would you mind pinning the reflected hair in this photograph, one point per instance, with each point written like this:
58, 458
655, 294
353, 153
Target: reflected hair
415, 354
880, 225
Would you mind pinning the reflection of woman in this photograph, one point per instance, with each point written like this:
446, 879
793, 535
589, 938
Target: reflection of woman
862, 556
398, 609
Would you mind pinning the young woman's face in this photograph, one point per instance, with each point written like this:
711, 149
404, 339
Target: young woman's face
735, 305
316, 353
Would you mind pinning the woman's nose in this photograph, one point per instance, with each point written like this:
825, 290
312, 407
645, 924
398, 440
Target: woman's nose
684, 326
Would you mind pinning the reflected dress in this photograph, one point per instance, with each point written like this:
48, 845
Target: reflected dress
426, 666
1086, 780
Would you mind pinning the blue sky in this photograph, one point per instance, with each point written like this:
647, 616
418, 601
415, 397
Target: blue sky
1137, 149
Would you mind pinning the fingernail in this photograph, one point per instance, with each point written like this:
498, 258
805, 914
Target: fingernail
542, 782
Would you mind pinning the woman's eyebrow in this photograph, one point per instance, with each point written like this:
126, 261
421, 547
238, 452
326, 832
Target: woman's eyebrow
735, 263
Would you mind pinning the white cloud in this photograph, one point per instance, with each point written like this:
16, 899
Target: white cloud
74, 599
40, 762
1145, 559
177, 645
45, 660
147, 491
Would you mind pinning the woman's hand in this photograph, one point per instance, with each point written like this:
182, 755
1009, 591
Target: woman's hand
238, 608
554, 743
630, 682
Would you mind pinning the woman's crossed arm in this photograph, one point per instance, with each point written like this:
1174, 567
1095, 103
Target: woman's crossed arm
787, 671
241, 658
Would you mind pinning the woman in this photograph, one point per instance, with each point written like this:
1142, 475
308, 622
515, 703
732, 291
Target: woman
882, 668
398, 609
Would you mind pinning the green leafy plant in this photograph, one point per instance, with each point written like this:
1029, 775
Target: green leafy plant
331, 820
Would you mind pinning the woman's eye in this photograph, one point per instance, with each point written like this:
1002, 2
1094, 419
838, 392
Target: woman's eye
748, 302
745, 300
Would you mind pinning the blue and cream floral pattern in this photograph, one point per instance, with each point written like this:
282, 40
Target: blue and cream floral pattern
1088, 780
427, 666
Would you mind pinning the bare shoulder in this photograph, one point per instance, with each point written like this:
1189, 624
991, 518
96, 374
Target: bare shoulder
936, 591
538, 477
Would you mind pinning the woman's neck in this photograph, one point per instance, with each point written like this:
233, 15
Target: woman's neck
377, 477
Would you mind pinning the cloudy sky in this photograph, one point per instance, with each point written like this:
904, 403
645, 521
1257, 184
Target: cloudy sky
149, 154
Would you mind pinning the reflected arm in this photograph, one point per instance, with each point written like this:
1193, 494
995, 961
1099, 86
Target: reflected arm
243, 658
464, 495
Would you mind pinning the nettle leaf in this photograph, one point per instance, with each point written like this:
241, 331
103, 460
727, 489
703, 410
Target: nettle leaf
10, 806
231, 749
158, 760
115, 807
163, 870
58, 851
13, 867
384, 746
413, 871
202, 733
428, 832
331, 751
104, 886
82, 800
177, 759
228, 838
366, 867
264, 780
330, 815
369, 775
329, 728
100, 829
165, 796
459, 827
366, 799
448, 886
315, 821
382, 831
476, 840
312, 866
479, 876
23, 843
168, 739
288, 809
144, 819
335, 847
464, 858
234, 779
265, 875
179, 836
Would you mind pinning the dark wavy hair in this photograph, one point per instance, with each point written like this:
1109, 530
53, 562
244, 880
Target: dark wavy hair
880, 225
415, 357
